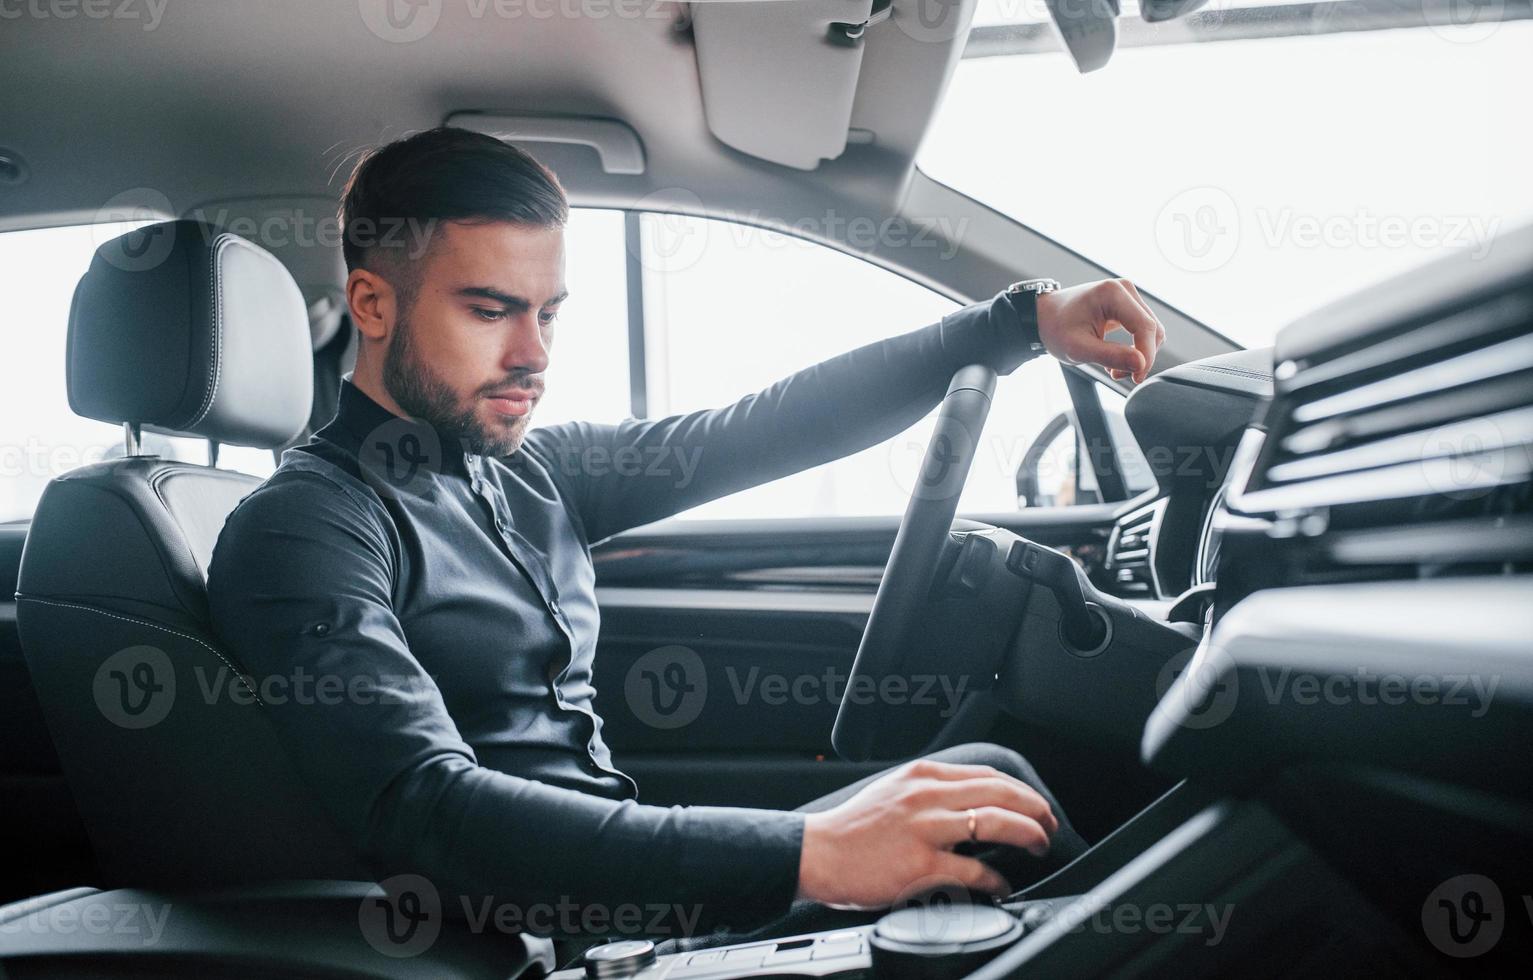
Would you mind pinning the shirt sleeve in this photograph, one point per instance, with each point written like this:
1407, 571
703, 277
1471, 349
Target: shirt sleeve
641, 470
301, 588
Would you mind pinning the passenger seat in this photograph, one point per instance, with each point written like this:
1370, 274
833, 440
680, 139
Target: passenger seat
180, 328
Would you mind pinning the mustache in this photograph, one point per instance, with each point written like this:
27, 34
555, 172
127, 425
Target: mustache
518, 384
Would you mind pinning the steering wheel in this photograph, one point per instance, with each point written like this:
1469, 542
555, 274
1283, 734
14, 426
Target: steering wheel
868, 727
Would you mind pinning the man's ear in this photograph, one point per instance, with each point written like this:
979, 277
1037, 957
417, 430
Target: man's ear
372, 302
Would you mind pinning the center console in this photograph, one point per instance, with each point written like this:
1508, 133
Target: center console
937, 940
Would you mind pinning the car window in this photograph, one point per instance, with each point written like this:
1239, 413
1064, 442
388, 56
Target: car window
40, 437
1250, 178
587, 373
730, 308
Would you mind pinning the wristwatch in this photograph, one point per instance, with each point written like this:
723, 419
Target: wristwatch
1024, 299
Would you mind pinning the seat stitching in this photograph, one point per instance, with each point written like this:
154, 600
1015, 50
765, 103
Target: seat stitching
1237, 372
215, 283
141, 622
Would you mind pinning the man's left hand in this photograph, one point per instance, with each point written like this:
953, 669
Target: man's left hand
1074, 323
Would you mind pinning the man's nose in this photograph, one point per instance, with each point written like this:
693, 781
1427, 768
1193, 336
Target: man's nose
526, 350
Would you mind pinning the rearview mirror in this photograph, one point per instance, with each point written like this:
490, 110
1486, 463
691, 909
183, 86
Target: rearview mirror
1155, 11
1088, 28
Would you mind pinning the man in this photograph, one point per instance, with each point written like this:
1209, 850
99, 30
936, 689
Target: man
430, 555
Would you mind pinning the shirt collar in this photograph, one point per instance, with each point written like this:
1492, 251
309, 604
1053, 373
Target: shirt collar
380, 437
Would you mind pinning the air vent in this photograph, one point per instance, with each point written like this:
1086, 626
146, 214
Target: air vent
1408, 453
1131, 552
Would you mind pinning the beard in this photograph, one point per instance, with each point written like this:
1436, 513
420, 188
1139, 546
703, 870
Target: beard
424, 395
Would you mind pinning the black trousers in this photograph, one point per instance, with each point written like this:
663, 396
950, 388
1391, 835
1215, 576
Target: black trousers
1017, 866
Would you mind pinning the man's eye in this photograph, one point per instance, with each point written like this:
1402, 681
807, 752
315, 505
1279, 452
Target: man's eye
489, 316
548, 316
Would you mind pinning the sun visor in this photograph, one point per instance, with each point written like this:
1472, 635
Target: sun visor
778, 77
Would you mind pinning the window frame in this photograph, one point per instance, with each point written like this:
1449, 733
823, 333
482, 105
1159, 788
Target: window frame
1081, 384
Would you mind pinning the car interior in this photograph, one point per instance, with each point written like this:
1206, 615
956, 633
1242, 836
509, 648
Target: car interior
1269, 638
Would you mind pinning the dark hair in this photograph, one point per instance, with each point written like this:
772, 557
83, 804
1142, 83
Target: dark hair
399, 192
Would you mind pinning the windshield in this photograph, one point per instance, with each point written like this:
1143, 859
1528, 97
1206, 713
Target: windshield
1248, 179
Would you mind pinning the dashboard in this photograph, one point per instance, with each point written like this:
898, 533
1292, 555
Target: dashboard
1188, 422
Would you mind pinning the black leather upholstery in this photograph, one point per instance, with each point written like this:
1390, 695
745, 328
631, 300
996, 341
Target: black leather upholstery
116, 560
184, 328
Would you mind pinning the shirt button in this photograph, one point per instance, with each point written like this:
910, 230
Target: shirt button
553, 606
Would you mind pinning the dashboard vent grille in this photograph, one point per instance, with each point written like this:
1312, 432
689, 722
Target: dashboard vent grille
1131, 552
1413, 451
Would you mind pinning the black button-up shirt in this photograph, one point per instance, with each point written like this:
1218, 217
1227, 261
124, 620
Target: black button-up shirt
439, 610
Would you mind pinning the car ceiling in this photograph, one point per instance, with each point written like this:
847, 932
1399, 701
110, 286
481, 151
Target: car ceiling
254, 106
242, 100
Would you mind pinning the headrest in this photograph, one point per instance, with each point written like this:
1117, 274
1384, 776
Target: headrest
185, 328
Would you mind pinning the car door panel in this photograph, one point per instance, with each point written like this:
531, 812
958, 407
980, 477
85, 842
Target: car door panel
758, 623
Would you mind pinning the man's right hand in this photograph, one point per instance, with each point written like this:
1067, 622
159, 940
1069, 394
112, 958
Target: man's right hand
895, 837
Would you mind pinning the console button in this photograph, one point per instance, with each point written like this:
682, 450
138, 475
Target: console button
830, 951
785, 956
748, 952
619, 959
940, 942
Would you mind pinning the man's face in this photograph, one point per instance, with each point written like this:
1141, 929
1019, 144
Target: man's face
468, 353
